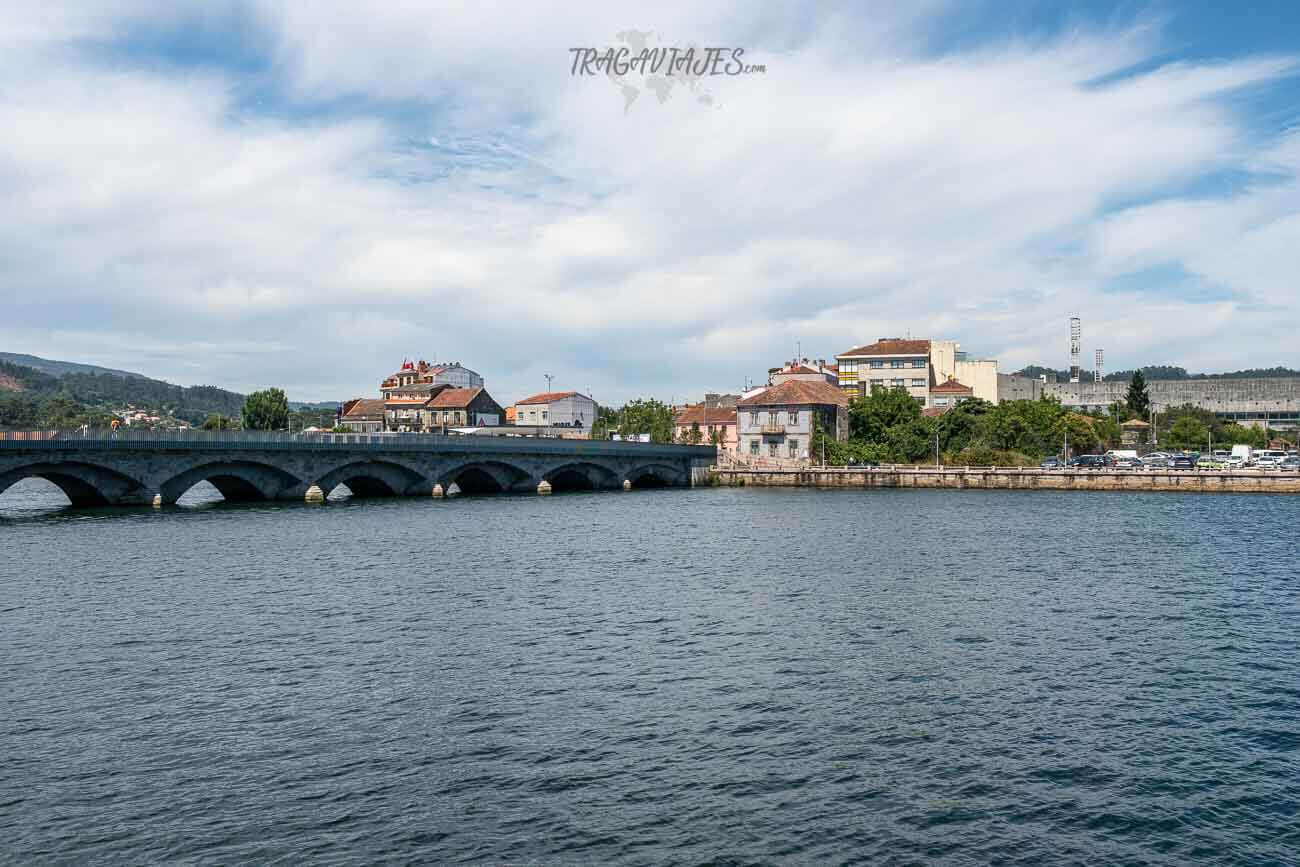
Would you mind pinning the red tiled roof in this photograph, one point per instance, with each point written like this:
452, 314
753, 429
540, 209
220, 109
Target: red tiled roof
455, 397
701, 415
547, 397
798, 392
890, 347
365, 406
952, 386
932, 411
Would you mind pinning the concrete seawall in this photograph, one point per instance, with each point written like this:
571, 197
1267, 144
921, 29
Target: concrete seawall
998, 478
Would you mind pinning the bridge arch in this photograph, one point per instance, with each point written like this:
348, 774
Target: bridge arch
486, 477
657, 475
85, 484
238, 481
373, 479
582, 476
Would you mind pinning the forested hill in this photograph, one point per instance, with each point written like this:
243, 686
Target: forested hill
32, 398
59, 368
1159, 371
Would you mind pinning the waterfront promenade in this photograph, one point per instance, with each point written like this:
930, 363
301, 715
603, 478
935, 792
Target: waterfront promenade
98, 468
1017, 478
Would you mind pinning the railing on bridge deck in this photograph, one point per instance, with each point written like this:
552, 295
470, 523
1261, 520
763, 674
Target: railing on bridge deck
379, 442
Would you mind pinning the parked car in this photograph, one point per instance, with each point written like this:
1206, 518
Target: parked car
1181, 462
1155, 459
1269, 458
1210, 462
1290, 464
1131, 463
1092, 462
1052, 463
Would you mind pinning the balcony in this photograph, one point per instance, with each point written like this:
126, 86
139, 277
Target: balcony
773, 430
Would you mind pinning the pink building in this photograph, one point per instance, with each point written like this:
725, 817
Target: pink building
715, 423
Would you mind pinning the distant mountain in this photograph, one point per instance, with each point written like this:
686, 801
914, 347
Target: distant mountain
59, 368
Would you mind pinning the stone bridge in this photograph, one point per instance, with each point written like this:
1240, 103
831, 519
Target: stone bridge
97, 468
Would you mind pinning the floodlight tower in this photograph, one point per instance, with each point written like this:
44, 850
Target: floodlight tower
1100, 357
1076, 332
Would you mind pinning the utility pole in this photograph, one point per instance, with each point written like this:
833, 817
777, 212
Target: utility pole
936, 449
549, 377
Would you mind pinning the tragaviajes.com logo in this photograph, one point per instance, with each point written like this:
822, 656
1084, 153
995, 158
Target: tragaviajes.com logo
639, 64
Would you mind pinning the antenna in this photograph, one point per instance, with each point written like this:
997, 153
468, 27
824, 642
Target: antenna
549, 377
1100, 357
1076, 332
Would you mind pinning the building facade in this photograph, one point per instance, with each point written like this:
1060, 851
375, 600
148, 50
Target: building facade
567, 409
890, 362
715, 425
422, 398
780, 421
917, 366
419, 376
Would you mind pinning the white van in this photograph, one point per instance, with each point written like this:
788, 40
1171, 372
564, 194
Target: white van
1269, 457
1242, 456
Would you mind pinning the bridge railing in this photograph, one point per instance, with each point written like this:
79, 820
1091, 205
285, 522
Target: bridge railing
124, 438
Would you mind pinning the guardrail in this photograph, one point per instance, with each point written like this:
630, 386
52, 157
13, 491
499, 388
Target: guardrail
97, 439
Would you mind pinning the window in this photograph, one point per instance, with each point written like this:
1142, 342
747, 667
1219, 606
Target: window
794, 448
941, 401
897, 362
753, 417
794, 416
877, 364
918, 383
899, 382
918, 362
771, 449
847, 366
753, 447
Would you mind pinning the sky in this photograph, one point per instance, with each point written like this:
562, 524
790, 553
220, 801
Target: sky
304, 194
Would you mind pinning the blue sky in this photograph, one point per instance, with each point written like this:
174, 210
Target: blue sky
301, 195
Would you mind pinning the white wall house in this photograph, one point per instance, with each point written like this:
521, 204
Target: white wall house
556, 409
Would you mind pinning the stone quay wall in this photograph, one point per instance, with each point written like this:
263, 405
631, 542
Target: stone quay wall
1003, 478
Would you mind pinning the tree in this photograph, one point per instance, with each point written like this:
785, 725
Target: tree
694, 436
1138, 399
1186, 433
266, 410
216, 421
871, 416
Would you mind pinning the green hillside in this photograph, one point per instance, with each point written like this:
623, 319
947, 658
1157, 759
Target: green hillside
32, 398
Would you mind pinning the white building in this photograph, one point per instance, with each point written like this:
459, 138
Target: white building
780, 421
556, 409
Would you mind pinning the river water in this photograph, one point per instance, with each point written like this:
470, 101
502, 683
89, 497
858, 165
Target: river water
668, 676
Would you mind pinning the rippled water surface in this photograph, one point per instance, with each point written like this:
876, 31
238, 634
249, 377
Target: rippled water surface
653, 677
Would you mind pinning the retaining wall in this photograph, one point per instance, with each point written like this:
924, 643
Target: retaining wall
996, 478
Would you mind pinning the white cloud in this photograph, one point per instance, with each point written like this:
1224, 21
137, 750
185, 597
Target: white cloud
862, 187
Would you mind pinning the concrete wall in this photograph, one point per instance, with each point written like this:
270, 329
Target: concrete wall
981, 376
1028, 479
